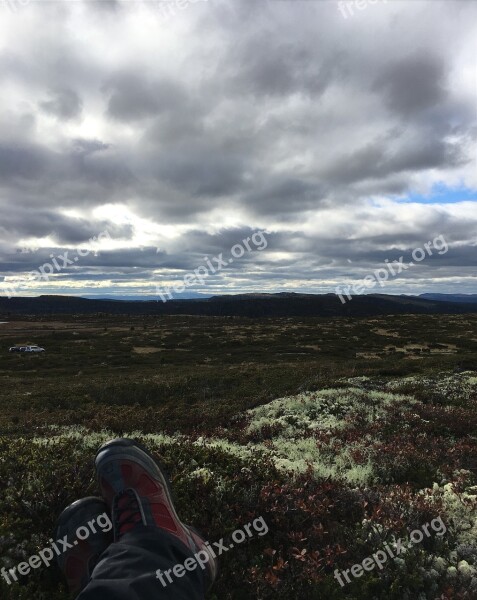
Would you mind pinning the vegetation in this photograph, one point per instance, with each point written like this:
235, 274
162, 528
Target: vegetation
343, 434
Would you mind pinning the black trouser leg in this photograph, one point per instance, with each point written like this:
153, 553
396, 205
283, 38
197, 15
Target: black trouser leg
127, 570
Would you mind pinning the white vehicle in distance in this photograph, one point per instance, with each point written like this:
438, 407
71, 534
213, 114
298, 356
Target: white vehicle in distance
26, 349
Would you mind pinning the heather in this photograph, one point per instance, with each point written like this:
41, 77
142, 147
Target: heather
339, 454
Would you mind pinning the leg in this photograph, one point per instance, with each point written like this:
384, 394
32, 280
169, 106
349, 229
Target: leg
129, 569
154, 554
79, 555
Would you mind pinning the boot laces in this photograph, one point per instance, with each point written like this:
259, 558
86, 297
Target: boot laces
127, 511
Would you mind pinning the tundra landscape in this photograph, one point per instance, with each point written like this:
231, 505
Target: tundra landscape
343, 434
238, 256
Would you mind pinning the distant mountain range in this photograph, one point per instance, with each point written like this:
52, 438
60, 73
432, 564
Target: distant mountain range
137, 298
243, 305
467, 298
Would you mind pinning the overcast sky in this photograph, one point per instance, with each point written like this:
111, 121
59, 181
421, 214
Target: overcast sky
182, 128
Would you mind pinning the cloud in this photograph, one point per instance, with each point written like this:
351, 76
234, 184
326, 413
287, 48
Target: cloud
64, 104
84, 146
25, 162
62, 229
132, 97
413, 84
231, 117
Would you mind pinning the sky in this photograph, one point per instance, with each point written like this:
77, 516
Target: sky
232, 146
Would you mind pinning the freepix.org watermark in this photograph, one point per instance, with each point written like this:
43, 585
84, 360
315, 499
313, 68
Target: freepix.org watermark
391, 269
201, 558
58, 547
347, 7
255, 242
57, 264
168, 9
379, 558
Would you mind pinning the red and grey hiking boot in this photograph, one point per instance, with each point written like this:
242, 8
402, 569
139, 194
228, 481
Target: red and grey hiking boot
83, 532
138, 492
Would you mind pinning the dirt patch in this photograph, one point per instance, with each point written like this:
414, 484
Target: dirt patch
146, 349
448, 350
368, 355
385, 332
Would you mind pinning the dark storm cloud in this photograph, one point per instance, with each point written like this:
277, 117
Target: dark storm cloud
413, 84
133, 97
64, 230
201, 170
268, 65
23, 162
200, 243
83, 172
285, 195
388, 156
64, 104
136, 262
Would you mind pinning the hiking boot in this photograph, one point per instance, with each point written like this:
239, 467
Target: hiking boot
80, 519
139, 493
